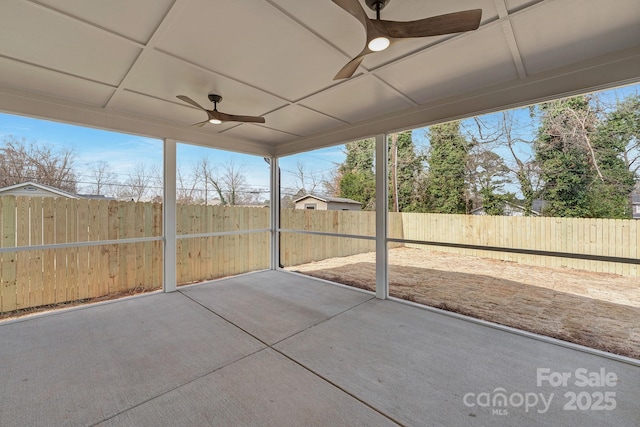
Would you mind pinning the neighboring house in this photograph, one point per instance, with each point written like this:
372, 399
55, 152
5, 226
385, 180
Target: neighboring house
322, 203
635, 206
510, 209
33, 189
36, 190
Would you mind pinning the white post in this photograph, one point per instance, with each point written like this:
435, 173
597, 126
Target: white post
382, 202
169, 217
274, 206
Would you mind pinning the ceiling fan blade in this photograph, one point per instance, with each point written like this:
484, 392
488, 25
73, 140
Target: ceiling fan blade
233, 118
247, 119
456, 22
355, 9
200, 124
351, 67
190, 101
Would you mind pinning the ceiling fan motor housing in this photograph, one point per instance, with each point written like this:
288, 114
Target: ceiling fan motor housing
376, 5
214, 98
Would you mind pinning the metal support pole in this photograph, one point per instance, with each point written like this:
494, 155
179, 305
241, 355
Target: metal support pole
274, 206
382, 201
169, 283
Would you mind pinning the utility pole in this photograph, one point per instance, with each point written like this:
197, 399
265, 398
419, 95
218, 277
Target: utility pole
394, 170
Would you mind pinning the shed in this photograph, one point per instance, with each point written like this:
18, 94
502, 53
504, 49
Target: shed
323, 203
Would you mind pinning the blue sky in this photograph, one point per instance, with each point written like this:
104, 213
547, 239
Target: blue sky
123, 152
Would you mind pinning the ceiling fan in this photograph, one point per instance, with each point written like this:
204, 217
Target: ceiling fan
381, 34
215, 116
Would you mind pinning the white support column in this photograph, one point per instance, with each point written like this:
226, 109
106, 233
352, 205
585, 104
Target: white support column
382, 201
275, 212
169, 217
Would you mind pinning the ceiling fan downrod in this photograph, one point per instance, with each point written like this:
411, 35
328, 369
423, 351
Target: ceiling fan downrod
377, 6
215, 99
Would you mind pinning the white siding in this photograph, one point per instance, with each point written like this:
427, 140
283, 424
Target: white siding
29, 191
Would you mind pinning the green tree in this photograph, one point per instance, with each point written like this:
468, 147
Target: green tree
616, 146
487, 175
582, 160
405, 166
356, 176
444, 190
492, 203
564, 161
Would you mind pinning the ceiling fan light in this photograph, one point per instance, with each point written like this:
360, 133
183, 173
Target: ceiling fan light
215, 121
379, 43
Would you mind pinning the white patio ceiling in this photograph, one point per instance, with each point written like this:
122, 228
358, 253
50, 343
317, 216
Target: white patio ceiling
119, 64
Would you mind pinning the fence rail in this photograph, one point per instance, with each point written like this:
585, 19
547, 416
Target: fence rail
43, 276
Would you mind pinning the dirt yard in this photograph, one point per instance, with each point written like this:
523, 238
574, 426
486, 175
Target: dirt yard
593, 309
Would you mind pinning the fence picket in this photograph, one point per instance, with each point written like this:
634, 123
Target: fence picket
22, 258
8, 295
36, 277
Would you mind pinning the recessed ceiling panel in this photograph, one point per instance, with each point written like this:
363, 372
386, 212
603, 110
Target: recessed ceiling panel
463, 64
38, 36
586, 29
358, 99
253, 42
180, 78
34, 79
300, 120
258, 134
136, 20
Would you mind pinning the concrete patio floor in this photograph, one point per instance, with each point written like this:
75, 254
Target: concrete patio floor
277, 349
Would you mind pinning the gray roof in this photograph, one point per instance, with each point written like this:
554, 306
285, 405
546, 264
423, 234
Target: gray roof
96, 196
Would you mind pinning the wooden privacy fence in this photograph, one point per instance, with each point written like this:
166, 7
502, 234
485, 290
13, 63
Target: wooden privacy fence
79, 269
296, 248
82, 267
94, 257
209, 257
587, 236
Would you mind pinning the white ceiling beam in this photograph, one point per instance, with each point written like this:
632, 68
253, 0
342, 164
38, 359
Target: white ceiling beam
510, 37
148, 47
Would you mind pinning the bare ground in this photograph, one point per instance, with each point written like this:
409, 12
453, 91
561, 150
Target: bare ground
598, 310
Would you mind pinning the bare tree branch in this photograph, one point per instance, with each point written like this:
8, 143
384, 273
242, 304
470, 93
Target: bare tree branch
21, 161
